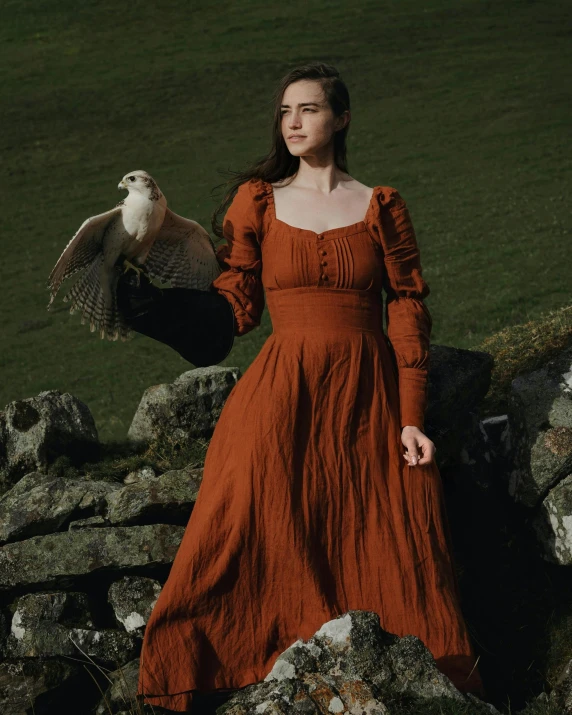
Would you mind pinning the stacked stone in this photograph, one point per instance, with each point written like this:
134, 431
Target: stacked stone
83, 560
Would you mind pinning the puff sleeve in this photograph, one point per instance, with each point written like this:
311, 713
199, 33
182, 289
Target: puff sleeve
409, 322
240, 281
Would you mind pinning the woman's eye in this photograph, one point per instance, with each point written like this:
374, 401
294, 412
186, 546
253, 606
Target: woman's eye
305, 108
131, 178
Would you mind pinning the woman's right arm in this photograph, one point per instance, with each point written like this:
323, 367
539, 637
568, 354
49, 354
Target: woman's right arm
241, 260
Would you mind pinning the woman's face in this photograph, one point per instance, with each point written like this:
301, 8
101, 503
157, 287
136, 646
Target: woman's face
306, 112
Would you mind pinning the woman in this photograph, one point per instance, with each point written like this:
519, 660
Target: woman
308, 506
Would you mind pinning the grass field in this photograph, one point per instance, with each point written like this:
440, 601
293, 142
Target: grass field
461, 104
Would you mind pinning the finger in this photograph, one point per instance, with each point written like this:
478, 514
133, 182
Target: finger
425, 459
411, 445
427, 453
409, 460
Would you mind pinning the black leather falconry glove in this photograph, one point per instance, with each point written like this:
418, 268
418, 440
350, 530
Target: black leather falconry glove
198, 324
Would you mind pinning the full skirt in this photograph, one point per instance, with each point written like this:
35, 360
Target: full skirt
307, 509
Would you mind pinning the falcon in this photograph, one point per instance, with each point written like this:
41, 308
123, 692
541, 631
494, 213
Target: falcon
148, 237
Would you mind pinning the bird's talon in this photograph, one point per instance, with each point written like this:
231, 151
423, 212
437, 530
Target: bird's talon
127, 265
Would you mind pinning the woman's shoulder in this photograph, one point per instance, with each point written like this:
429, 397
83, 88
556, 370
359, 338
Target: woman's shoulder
388, 197
388, 220
255, 189
250, 203
251, 194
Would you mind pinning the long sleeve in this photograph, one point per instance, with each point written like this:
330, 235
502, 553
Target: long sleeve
240, 282
409, 322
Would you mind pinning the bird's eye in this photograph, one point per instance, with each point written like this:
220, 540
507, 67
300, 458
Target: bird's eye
131, 178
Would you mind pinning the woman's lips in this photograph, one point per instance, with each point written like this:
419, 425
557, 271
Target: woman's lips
297, 139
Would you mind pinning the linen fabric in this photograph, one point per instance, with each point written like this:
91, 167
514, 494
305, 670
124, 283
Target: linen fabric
307, 506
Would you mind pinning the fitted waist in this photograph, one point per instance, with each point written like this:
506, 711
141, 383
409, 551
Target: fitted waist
332, 309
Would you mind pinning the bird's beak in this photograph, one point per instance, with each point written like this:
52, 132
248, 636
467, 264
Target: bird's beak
121, 185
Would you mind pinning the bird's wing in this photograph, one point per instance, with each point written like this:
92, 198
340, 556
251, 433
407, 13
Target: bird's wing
183, 253
81, 250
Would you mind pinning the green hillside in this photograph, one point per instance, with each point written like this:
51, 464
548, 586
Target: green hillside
463, 105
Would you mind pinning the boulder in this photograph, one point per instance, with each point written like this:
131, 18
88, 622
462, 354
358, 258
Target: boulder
188, 407
37, 430
540, 420
25, 681
70, 608
41, 504
351, 665
169, 497
553, 523
59, 624
132, 599
57, 560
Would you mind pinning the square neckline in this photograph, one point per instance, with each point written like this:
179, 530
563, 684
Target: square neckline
354, 227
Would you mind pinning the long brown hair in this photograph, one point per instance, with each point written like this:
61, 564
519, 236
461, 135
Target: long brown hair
279, 163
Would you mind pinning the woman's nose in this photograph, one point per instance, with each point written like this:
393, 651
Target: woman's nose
295, 121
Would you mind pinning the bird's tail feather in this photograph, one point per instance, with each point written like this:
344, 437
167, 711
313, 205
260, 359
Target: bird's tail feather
121, 329
87, 295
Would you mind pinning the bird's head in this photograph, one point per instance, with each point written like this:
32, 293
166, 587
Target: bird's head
141, 182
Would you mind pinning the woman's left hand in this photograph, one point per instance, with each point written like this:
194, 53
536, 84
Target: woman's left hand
420, 449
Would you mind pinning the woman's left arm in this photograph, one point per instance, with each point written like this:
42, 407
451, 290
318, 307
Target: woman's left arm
409, 321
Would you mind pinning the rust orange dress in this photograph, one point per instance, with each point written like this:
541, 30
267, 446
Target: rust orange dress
307, 507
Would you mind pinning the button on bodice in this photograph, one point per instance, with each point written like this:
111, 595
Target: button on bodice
348, 257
